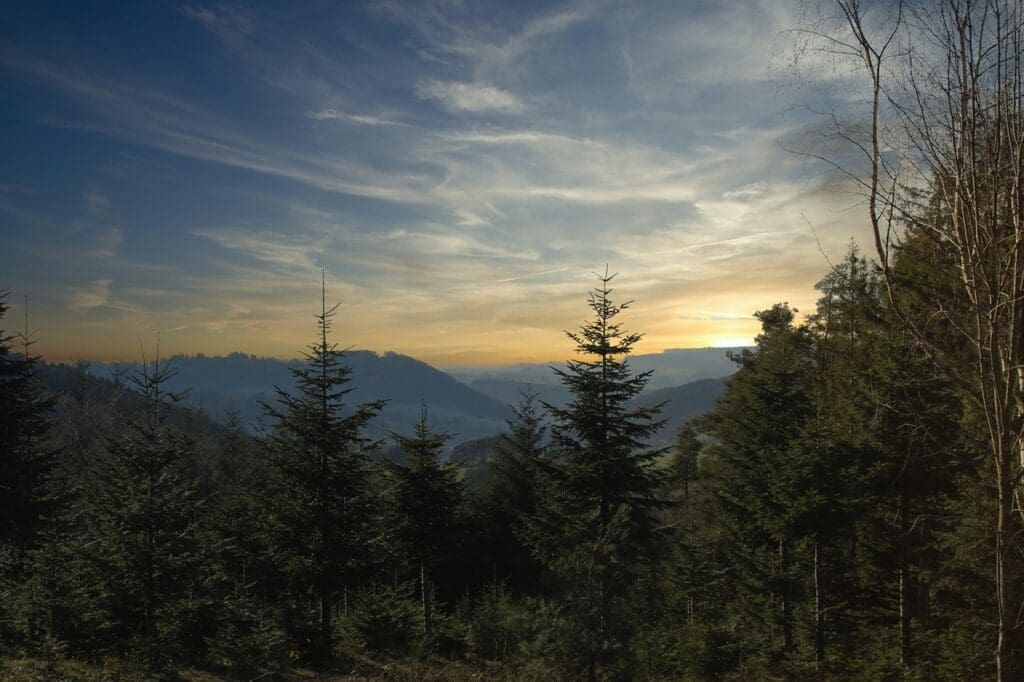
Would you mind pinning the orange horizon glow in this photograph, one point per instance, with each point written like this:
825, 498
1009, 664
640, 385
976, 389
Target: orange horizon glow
524, 345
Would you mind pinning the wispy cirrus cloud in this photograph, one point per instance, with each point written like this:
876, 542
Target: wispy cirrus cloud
224, 20
363, 119
95, 294
106, 243
150, 117
456, 167
470, 97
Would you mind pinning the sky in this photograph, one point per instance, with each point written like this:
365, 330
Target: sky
458, 170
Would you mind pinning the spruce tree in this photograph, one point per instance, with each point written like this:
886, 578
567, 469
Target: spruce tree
758, 423
682, 468
425, 507
318, 492
28, 485
596, 522
31, 495
141, 514
508, 496
240, 573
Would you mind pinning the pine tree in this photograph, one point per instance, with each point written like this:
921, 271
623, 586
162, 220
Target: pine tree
318, 491
895, 419
508, 496
141, 514
757, 424
682, 469
32, 491
834, 446
240, 573
596, 522
424, 516
29, 493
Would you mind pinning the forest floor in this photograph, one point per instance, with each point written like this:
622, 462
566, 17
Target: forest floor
41, 670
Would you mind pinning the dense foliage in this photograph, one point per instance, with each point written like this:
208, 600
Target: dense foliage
830, 517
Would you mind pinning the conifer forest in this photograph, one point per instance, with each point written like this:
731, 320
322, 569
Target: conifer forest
850, 507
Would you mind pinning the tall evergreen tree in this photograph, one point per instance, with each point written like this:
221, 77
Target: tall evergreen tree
682, 469
240, 572
425, 508
596, 522
835, 445
141, 513
900, 418
28, 490
508, 496
318, 489
759, 420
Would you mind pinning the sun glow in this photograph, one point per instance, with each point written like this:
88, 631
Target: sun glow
733, 342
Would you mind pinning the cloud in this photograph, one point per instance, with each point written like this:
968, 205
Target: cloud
456, 245
470, 97
107, 243
96, 202
291, 252
224, 20
532, 275
712, 315
85, 299
754, 189
335, 115
150, 117
459, 167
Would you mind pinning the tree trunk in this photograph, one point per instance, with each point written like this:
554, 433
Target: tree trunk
787, 604
325, 619
819, 614
1004, 646
426, 596
904, 579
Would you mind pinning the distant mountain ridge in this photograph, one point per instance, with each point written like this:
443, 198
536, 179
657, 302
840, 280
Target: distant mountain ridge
472, 404
241, 382
682, 403
672, 367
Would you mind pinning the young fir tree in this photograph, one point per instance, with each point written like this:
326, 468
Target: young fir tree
141, 510
912, 416
897, 418
833, 448
239, 572
424, 515
509, 495
596, 521
28, 490
757, 424
318, 489
31, 495
682, 470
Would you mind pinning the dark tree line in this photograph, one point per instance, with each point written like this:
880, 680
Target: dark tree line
831, 517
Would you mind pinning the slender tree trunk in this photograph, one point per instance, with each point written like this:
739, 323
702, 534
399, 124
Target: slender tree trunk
603, 587
326, 618
787, 605
426, 596
904, 579
819, 614
1004, 646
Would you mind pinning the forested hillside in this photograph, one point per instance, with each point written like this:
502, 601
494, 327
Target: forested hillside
241, 383
846, 503
829, 513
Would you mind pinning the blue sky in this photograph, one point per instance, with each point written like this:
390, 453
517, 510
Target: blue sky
459, 169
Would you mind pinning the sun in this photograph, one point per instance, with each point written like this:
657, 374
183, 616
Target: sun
733, 342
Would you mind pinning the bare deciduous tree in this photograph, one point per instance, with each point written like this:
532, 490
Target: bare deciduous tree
941, 149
